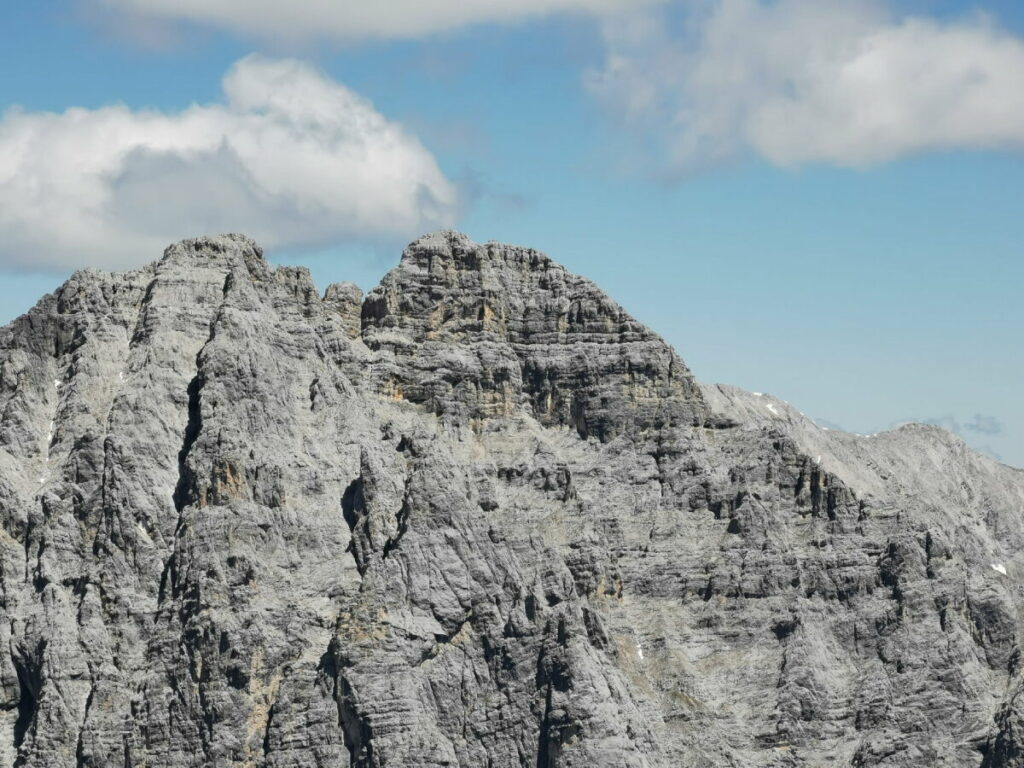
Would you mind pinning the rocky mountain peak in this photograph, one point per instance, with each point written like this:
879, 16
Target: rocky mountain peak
445, 250
217, 252
497, 328
481, 516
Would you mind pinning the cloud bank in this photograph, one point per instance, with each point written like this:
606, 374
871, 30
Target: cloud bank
291, 158
838, 82
349, 20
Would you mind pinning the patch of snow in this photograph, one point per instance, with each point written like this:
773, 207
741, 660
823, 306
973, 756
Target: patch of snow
57, 383
999, 568
120, 375
758, 394
826, 429
42, 480
144, 534
639, 651
818, 460
771, 408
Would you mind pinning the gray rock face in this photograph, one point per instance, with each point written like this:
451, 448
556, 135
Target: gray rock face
481, 517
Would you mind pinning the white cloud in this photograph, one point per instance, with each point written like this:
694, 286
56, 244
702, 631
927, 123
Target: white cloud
985, 425
348, 20
291, 158
841, 82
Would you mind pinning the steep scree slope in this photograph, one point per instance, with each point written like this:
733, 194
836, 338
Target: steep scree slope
481, 517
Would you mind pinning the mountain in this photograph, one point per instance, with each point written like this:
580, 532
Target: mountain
478, 517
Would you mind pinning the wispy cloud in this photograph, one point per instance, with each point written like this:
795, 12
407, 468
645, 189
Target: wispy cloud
984, 425
841, 82
291, 157
346, 20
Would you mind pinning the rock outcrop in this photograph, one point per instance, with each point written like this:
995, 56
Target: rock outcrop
480, 517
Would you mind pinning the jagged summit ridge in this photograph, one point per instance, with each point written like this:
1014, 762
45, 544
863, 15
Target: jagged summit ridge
480, 516
493, 328
458, 247
225, 251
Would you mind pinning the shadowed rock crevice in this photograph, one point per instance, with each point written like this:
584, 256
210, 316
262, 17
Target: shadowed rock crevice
353, 510
81, 759
29, 668
402, 520
184, 491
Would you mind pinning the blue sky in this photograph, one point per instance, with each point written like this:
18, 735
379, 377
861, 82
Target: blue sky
817, 200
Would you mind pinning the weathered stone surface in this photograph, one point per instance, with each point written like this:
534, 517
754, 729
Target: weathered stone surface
481, 517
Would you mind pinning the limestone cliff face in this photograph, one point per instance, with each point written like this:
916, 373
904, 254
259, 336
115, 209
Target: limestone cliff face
481, 517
